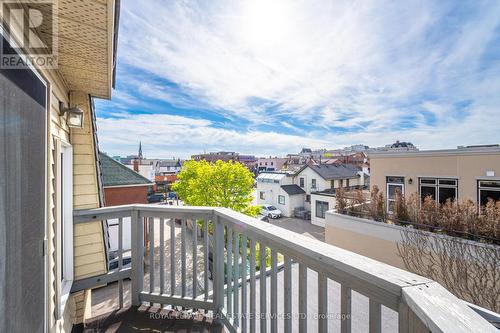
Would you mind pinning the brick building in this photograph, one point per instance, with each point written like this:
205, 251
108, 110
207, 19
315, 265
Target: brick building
121, 184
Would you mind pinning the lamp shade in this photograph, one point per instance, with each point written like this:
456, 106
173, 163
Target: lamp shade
74, 117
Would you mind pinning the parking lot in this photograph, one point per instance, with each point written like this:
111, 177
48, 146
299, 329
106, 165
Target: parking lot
300, 226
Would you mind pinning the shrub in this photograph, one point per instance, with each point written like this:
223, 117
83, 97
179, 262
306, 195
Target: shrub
457, 217
400, 209
376, 207
340, 200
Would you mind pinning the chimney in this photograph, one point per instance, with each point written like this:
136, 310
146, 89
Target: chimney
136, 165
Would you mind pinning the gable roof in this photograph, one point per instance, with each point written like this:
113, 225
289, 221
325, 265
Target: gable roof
116, 174
293, 189
170, 163
335, 171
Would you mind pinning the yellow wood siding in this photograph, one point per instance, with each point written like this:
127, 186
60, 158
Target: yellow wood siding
89, 251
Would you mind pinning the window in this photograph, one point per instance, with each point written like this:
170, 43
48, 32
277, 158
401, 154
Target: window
321, 208
439, 189
262, 195
281, 199
308, 198
271, 163
394, 184
488, 190
313, 183
65, 222
301, 182
347, 182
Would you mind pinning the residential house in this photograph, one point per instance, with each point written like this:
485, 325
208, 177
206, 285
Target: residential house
168, 166
145, 168
224, 156
312, 187
471, 172
270, 163
320, 182
121, 184
250, 161
279, 190
49, 164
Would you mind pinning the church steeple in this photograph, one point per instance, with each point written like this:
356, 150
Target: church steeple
140, 151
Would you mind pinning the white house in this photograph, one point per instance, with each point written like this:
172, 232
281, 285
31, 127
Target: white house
319, 183
312, 187
279, 190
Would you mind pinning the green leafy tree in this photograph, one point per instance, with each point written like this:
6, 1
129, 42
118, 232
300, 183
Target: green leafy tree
219, 184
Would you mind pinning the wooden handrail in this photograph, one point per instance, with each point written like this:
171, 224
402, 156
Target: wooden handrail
422, 304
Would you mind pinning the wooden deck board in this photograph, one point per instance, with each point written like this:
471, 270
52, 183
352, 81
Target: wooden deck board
150, 319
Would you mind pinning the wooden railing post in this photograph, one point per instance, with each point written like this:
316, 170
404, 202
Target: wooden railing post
218, 260
137, 236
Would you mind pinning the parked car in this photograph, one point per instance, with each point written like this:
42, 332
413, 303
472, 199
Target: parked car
271, 211
157, 197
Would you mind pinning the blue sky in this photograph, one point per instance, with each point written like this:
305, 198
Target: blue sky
270, 77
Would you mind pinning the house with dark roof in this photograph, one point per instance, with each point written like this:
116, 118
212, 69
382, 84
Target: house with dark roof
278, 189
311, 187
319, 183
121, 184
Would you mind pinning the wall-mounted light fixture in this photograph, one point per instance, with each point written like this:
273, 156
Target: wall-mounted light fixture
410, 181
75, 115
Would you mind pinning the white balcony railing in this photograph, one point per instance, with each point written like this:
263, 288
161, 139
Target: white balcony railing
220, 274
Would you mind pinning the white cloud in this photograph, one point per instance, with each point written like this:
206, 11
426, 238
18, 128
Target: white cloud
322, 63
167, 135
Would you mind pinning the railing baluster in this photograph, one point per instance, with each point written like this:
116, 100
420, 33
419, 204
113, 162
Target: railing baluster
172, 257
218, 259
195, 258
274, 291
151, 256
137, 275
375, 317
236, 268
183, 258
262, 288
244, 245
252, 286
287, 295
302, 298
162, 257
345, 309
229, 271
120, 260
322, 303
205, 256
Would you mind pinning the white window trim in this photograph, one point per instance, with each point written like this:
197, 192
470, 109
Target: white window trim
402, 185
284, 199
66, 218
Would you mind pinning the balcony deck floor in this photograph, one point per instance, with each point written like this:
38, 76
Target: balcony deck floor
149, 319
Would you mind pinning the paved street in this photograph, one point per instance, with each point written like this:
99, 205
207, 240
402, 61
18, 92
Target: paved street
300, 226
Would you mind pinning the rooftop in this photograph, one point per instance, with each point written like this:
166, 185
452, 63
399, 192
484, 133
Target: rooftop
293, 189
116, 174
460, 150
335, 171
